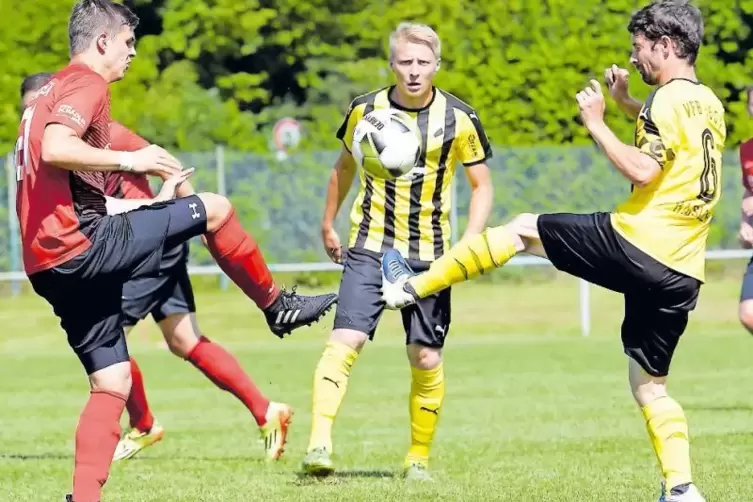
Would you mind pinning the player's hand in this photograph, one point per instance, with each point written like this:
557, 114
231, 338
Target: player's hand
156, 161
745, 236
616, 79
591, 103
171, 184
332, 244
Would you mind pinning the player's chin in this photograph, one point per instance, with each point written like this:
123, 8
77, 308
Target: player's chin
415, 89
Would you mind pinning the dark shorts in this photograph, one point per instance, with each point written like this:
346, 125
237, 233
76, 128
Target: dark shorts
168, 293
746, 291
86, 292
360, 304
657, 298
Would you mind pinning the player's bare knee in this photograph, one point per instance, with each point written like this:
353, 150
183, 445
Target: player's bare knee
422, 357
115, 378
644, 387
180, 333
352, 338
524, 228
746, 315
217, 207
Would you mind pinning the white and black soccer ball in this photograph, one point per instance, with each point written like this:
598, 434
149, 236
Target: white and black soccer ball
386, 143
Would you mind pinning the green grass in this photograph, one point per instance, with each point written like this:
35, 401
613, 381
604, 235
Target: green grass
534, 411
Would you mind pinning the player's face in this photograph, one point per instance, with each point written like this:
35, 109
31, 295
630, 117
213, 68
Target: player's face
26, 99
414, 66
118, 51
647, 58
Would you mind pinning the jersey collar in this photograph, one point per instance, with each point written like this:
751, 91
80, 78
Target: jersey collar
395, 104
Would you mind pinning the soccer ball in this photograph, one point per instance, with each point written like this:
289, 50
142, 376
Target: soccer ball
386, 143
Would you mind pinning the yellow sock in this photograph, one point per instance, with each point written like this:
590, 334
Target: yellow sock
426, 396
330, 383
466, 260
668, 430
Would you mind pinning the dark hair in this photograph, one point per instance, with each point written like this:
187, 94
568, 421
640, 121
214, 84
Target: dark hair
34, 82
675, 19
90, 17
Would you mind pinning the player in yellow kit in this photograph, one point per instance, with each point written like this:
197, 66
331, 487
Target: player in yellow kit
411, 214
652, 247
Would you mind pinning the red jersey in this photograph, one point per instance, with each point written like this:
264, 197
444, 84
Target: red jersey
746, 164
127, 185
58, 209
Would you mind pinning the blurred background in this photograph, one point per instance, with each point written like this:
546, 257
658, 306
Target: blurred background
251, 93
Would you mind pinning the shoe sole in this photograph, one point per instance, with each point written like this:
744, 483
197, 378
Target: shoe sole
285, 416
157, 437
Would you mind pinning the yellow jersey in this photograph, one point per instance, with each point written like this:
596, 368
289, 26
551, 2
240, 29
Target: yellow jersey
411, 213
681, 125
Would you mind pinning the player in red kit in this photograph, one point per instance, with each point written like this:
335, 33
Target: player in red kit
78, 257
746, 225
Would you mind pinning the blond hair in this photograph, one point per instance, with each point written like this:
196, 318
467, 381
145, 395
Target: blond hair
417, 34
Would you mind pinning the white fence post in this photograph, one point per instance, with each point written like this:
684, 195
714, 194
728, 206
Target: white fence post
585, 307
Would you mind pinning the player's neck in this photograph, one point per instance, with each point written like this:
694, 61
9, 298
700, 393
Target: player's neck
683, 71
412, 102
93, 65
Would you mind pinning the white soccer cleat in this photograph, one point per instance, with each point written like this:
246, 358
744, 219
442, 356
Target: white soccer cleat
691, 494
396, 292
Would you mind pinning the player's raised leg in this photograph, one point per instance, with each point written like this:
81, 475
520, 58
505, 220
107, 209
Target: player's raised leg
239, 256
466, 260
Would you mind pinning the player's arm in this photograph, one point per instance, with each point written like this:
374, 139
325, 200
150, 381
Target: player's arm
168, 191
474, 152
81, 101
341, 178
639, 165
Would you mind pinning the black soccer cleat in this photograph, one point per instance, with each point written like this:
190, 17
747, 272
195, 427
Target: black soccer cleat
291, 311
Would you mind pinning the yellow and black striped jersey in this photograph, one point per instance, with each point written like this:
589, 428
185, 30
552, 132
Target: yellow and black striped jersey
411, 213
681, 125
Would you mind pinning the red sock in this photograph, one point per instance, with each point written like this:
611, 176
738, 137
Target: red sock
238, 255
138, 408
97, 437
224, 371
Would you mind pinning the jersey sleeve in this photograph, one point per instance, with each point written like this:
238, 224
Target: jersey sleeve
136, 186
659, 128
746, 164
123, 139
79, 102
345, 132
472, 144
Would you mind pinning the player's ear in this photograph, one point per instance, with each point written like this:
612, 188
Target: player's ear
101, 42
439, 61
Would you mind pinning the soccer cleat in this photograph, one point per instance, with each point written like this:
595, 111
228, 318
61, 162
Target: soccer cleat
135, 440
396, 292
291, 311
317, 462
275, 430
682, 493
416, 471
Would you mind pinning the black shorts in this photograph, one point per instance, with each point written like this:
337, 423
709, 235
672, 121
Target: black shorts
168, 293
657, 298
360, 302
746, 291
86, 291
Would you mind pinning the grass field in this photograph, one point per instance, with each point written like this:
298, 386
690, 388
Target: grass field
534, 411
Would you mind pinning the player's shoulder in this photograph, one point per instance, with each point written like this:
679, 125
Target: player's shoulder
679, 92
79, 74
367, 98
457, 104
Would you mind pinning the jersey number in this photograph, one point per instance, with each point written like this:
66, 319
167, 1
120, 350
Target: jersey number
710, 173
21, 153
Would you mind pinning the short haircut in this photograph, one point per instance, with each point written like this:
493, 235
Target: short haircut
417, 34
89, 18
676, 19
34, 82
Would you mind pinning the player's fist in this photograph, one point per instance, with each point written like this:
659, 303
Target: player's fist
617, 82
332, 244
591, 103
156, 161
